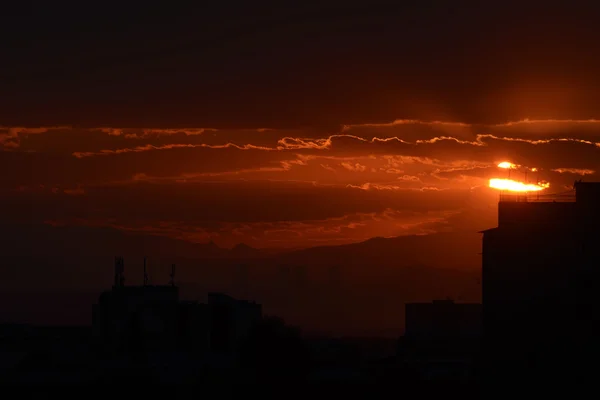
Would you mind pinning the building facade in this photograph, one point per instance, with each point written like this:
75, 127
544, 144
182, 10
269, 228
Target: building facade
152, 319
538, 280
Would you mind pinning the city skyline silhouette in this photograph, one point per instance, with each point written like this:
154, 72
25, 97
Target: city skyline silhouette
347, 190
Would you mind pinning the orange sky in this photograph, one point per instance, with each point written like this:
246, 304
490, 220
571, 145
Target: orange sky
285, 188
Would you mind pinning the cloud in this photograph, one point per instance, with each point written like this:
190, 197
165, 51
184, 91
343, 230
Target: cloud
354, 167
110, 131
140, 149
346, 228
10, 137
410, 178
480, 140
575, 171
530, 122
280, 175
328, 168
340, 144
377, 160
405, 122
375, 186
75, 192
304, 143
132, 133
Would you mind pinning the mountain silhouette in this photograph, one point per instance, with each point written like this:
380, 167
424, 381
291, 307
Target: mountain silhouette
243, 250
458, 250
344, 288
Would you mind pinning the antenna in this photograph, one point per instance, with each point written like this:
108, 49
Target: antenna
172, 275
243, 276
119, 272
122, 282
117, 275
116, 283
145, 273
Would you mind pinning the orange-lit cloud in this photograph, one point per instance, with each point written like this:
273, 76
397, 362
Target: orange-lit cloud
140, 149
549, 121
353, 167
10, 137
451, 139
575, 171
374, 186
327, 167
407, 122
410, 178
291, 143
365, 166
131, 133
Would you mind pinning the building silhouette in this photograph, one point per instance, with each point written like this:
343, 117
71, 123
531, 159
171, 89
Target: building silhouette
231, 321
538, 281
441, 339
443, 318
149, 319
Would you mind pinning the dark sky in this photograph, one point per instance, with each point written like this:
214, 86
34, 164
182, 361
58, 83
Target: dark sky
238, 64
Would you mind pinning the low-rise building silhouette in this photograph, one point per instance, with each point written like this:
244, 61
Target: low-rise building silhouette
130, 316
231, 321
443, 318
152, 318
441, 339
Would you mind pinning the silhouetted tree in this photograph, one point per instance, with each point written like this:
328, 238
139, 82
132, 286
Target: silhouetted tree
274, 350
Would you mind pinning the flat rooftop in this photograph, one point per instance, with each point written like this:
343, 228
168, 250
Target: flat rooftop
581, 191
568, 197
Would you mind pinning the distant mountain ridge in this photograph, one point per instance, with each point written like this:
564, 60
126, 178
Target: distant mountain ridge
459, 250
454, 249
351, 288
243, 250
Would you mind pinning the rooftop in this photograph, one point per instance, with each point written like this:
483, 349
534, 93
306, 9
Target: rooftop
580, 190
568, 196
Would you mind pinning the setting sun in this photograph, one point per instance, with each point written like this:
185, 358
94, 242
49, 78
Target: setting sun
516, 186
507, 165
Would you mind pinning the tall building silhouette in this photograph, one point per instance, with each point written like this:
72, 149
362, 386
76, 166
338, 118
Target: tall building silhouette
538, 281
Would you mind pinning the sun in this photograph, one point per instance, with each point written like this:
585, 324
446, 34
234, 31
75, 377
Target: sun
507, 165
516, 186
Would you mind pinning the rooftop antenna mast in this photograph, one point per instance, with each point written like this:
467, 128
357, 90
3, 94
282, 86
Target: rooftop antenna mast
172, 275
145, 273
119, 272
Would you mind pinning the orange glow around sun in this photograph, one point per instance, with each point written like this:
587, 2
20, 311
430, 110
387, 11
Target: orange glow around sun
516, 186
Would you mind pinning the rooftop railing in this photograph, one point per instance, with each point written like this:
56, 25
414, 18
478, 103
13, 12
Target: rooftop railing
568, 197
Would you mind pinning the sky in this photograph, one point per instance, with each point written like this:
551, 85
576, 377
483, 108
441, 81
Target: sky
286, 126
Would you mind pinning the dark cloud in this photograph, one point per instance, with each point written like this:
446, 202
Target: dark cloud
236, 201
290, 66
